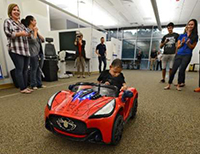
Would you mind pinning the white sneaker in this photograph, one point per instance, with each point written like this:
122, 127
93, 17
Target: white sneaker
35, 88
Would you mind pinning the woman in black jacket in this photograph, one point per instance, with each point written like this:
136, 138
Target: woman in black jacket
80, 54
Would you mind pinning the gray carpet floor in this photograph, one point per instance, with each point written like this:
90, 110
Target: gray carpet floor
167, 122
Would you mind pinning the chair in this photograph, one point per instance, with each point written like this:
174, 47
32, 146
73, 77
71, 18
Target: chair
50, 67
50, 52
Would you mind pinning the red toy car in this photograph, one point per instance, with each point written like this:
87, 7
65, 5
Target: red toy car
89, 111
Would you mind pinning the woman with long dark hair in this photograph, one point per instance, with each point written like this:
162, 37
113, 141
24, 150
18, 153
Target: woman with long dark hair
186, 44
34, 47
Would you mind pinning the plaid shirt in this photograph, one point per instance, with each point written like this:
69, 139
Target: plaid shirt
18, 45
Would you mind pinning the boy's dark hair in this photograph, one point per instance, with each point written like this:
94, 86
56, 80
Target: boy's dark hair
102, 38
117, 63
171, 24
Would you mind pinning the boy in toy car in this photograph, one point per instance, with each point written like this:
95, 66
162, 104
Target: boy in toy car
114, 76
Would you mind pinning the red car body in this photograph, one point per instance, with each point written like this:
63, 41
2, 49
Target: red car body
74, 113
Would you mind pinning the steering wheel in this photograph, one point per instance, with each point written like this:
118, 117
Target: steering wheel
109, 86
80, 84
85, 83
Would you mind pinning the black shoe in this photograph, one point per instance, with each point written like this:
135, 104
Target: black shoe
162, 81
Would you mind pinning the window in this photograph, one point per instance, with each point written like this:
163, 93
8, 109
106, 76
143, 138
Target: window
128, 49
144, 46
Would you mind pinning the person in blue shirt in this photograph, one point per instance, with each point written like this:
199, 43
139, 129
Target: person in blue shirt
186, 44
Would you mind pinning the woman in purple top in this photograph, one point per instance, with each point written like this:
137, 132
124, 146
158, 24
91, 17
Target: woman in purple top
186, 44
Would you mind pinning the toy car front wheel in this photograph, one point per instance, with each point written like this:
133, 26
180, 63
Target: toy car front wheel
134, 108
117, 129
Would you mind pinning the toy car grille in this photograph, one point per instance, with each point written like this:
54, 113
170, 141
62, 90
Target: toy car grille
68, 125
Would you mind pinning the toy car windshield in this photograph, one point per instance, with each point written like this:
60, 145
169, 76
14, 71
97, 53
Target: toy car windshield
102, 89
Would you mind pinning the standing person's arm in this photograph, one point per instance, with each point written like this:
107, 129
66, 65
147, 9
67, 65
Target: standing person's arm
97, 51
176, 43
163, 42
10, 32
83, 43
80, 42
35, 32
105, 51
150, 56
181, 42
76, 42
41, 37
191, 46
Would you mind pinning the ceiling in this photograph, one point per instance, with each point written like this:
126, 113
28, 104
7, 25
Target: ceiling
128, 13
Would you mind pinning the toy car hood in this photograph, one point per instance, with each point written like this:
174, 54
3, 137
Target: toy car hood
71, 104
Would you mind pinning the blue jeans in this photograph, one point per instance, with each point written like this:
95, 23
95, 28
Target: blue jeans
34, 65
102, 59
39, 71
21, 69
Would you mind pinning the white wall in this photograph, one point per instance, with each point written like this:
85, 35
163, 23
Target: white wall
114, 48
58, 24
27, 7
109, 48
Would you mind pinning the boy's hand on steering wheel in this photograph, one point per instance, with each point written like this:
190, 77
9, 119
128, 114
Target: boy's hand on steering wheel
123, 88
107, 83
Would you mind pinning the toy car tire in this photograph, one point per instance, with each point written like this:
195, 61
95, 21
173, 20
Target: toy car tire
134, 109
117, 130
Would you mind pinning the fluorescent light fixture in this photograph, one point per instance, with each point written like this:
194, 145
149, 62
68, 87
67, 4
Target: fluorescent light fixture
146, 11
167, 9
87, 10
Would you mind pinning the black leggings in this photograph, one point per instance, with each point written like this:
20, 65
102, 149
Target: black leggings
181, 62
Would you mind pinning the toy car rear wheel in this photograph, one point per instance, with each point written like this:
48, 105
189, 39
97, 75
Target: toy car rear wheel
117, 130
134, 108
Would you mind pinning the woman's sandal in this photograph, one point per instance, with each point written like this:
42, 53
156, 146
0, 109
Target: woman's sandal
25, 91
181, 85
178, 88
31, 90
167, 88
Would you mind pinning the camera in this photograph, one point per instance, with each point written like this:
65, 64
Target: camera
78, 34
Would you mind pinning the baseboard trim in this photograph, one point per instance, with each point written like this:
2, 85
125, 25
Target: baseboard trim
7, 86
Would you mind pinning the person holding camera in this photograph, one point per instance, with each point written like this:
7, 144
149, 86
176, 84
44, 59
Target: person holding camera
80, 54
169, 43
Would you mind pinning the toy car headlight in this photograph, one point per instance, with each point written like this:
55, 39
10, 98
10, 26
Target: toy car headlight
50, 101
105, 111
